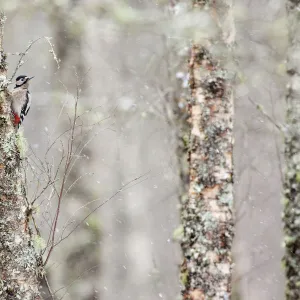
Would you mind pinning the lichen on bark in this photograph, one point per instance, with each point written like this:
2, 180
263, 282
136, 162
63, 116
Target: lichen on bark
207, 214
19, 265
291, 215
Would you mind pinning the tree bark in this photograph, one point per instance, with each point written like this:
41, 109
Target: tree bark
18, 259
292, 157
207, 215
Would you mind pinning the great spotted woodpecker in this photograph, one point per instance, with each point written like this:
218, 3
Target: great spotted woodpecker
21, 99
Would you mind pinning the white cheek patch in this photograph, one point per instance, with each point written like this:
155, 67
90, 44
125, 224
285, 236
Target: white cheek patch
19, 82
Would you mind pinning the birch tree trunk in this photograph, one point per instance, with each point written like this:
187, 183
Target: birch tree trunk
18, 259
207, 215
292, 156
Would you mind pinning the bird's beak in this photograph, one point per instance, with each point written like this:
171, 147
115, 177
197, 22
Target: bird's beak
30, 78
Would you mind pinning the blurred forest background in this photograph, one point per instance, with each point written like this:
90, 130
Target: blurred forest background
133, 58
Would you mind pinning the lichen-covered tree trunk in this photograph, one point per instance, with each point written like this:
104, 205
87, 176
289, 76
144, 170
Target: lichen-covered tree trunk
291, 217
207, 214
18, 259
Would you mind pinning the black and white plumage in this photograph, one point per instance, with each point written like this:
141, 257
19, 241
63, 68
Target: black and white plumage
21, 99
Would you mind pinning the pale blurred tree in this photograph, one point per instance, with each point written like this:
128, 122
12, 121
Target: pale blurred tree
68, 25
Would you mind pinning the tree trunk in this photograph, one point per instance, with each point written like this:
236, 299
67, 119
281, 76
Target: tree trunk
292, 157
18, 259
207, 215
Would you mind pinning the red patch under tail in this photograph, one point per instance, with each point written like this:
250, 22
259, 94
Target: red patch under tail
17, 119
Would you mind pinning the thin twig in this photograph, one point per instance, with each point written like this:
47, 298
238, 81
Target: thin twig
49, 288
67, 165
48, 39
279, 126
20, 62
125, 186
31, 43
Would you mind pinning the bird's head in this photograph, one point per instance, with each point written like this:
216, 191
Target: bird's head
23, 80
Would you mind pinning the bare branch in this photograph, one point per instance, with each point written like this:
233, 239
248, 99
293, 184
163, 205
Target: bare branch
23, 54
125, 186
21, 62
280, 127
48, 39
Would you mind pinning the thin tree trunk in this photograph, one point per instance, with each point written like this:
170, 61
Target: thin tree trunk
291, 215
207, 215
18, 259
